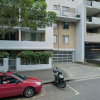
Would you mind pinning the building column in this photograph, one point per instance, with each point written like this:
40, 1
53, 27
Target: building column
19, 34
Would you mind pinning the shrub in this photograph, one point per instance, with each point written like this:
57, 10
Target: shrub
4, 54
34, 57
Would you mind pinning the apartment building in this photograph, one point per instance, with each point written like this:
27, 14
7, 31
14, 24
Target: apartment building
68, 30
92, 35
73, 37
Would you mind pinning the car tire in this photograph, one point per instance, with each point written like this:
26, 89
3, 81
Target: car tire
29, 92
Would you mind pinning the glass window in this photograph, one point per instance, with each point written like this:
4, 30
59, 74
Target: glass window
23, 78
55, 25
65, 25
65, 9
55, 7
55, 39
32, 37
8, 80
65, 39
9, 36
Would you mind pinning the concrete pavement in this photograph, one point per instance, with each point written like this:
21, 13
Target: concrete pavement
46, 76
79, 71
70, 71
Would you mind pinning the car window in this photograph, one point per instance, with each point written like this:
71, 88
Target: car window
8, 80
23, 78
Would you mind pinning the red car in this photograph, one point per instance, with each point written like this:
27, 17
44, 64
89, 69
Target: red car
12, 84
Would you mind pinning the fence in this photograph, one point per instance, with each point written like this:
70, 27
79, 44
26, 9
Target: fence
4, 65
23, 66
1, 62
27, 66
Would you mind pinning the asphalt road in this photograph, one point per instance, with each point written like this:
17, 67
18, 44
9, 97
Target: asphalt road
75, 90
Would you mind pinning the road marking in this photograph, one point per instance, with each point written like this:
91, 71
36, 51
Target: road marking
85, 79
76, 93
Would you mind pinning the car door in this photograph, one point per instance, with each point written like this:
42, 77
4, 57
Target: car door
12, 88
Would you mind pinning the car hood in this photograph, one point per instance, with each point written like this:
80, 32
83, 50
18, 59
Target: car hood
32, 79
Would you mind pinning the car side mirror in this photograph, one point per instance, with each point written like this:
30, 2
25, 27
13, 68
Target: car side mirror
17, 81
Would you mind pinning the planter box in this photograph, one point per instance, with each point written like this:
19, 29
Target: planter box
20, 67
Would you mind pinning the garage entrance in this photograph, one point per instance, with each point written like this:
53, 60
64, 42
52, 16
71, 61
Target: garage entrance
63, 56
92, 51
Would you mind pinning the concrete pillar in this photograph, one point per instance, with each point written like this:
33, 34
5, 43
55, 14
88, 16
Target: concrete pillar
17, 63
5, 65
19, 34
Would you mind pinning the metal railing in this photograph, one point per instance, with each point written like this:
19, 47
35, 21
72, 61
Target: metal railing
66, 13
1, 62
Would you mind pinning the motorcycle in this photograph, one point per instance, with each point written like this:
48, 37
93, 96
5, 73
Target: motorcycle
59, 79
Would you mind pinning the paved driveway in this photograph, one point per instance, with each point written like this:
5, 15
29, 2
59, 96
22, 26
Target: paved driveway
79, 71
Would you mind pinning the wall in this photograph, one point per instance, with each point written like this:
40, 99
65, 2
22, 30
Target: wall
80, 31
92, 37
4, 68
66, 3
68, 32
32, 67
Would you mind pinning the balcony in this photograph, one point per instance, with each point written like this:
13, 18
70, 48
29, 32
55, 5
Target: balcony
93, 22
93, 7
92, 37
24, 45
94, 4
67, 16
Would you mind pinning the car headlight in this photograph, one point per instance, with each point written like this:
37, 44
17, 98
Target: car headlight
38, 83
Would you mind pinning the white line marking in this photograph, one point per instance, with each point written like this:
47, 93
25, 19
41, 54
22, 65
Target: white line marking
76, 93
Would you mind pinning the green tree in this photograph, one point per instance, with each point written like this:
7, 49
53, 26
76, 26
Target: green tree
24, 13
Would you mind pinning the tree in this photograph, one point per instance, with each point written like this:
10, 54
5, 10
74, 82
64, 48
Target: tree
24, 13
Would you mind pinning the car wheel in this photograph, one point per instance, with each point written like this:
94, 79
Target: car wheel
29, 92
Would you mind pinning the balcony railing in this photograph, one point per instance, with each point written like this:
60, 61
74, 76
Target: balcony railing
66, 13
24, 45
94, 3
92, 37
89, 3
95, 20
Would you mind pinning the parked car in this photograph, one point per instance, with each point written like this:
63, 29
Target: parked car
13, 84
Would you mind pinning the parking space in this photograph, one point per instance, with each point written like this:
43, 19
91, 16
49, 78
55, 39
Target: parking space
75, 90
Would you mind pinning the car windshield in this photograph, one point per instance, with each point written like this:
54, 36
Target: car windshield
23, 78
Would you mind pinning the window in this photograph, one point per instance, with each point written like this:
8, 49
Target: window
55, 39
8, 80
65, 39
23, 78
55, 25
10, 36
65, 9
31, 37
65, 25
55, 7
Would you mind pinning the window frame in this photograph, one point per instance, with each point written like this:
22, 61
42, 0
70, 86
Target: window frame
64, 25
54, 7
63, 41
55, 24
55, 40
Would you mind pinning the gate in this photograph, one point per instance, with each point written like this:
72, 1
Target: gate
62, 56
12, 64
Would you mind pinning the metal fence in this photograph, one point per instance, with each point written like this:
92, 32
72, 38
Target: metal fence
12, 64
1, 62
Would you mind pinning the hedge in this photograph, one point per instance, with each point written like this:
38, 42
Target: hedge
4, 54
28, 57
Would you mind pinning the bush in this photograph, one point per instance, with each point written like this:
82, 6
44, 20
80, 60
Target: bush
4, 54
34, 57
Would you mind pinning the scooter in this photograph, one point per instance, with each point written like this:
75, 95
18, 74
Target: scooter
59, 79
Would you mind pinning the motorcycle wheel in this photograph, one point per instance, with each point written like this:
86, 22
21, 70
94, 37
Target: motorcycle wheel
62, 84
